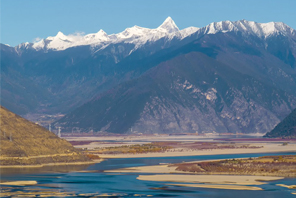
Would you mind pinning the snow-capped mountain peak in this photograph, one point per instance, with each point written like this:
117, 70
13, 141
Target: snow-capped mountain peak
136, 34
61, 35
102, 32
168, 30
99, 36
132, 32
169, 26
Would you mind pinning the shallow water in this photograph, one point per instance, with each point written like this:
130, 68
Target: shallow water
88, 184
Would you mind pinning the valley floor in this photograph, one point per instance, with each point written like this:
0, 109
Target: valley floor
267, 148
169, 146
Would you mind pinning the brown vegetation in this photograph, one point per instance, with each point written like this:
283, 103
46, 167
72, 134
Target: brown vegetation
208, 145
74, 143
169, 147
25, 143
268, 165
133, 149
92, 156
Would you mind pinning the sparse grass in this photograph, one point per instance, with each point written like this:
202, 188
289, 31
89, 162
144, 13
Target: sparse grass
155, 147
92, 156
144, 148
268, 165
20, 140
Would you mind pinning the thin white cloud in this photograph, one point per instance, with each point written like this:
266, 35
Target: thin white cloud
35, 40
77, 33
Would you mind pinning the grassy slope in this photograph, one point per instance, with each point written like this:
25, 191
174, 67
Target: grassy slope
30, 140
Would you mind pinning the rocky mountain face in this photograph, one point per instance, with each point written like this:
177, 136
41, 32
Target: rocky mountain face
285, 129
226, 77
189, 93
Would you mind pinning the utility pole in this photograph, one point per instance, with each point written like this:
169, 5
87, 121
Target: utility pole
59, 133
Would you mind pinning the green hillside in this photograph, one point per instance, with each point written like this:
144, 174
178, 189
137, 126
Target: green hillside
286, 128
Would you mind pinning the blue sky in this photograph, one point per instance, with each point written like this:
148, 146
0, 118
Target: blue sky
25, 20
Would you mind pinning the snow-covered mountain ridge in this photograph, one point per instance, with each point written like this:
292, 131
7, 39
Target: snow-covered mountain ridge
168, 29
261, 30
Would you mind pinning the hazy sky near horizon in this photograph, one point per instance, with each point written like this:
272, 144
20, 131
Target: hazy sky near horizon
26, 20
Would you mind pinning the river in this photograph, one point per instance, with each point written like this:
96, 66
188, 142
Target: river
94, 182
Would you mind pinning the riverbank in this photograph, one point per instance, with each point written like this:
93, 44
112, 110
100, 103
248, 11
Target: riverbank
51, 164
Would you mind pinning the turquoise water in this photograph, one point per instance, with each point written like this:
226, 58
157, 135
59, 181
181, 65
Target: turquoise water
126, 185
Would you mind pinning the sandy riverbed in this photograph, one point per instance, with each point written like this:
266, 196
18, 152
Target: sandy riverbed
110, 141
210, 179
167, 173
19, 183
180, 176
146, 169
227, 187
267, 148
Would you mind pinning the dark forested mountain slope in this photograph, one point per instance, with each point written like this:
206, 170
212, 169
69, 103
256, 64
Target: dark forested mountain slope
286, 128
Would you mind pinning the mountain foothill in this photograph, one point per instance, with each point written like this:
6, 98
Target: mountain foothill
26, 143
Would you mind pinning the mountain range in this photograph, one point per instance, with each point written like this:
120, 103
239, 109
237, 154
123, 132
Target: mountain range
225, 77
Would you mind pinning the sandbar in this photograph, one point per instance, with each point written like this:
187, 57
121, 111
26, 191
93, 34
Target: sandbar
146, 169
287, 186
210, 179
227, 187
167, 173
19, 183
